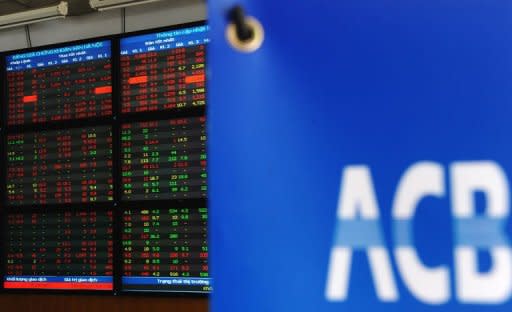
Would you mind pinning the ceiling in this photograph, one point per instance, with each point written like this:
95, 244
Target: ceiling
76, 7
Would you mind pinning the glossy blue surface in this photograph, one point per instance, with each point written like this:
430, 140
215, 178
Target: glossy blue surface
336, 83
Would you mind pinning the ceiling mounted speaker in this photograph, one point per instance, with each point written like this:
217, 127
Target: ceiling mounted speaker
34, 16
102, 5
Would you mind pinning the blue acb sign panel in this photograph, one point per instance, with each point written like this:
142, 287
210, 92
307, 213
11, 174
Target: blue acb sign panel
361, 159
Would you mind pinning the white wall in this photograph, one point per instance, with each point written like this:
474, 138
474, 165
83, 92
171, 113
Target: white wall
158, 14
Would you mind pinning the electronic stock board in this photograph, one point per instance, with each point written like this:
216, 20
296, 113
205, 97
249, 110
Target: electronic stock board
73, 211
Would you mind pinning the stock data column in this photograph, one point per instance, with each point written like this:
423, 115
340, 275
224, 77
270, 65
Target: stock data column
167, 242
164, 159
59, 168
163, 154
59, 250
164, 71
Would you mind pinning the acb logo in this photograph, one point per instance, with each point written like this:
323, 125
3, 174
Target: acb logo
359, 228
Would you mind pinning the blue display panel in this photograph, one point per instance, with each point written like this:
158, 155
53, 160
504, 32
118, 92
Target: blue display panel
60, 84
164, 70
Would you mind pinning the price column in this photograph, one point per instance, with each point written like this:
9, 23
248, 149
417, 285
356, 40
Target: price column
164, 159
165, 80
164, 244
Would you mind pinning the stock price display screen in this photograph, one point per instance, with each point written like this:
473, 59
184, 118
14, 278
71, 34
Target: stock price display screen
164, 71
66, 83
165, 250
66, 250
59, 170
164, 159
60, 166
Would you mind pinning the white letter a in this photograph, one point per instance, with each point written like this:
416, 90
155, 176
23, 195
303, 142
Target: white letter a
358, 228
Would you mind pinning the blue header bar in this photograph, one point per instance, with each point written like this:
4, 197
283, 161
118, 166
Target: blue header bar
168, 40
56, 279
189, 281
59, 56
